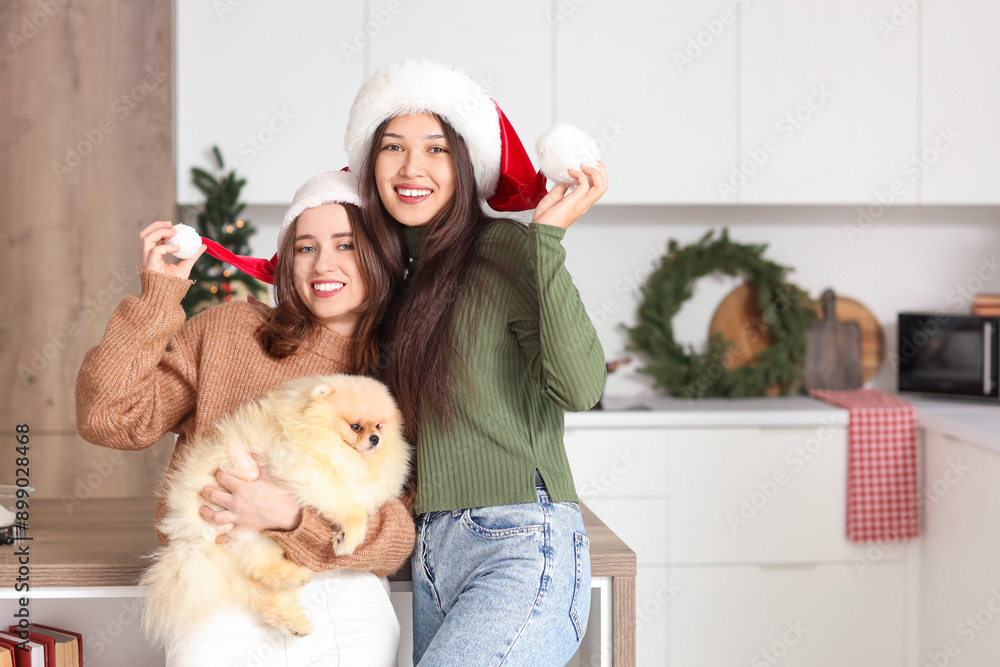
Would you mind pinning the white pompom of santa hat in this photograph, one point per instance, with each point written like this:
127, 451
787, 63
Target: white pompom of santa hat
187, 238
565, 147
504, 174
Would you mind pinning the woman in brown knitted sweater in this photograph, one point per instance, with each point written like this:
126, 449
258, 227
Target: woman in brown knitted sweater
155, 373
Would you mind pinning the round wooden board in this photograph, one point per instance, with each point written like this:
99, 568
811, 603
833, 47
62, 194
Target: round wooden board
739, 319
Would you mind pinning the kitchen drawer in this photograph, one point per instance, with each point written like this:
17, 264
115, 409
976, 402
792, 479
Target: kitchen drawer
793, 616
762, 495
618, 462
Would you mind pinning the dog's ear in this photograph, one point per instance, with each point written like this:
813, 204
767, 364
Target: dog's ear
244, 466
323, 390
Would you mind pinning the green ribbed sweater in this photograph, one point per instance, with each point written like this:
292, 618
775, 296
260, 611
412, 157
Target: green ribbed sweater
525, 351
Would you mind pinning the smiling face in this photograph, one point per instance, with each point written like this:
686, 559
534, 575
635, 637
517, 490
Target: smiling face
325, 267
414, 173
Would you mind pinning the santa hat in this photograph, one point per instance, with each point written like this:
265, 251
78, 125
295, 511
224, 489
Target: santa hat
503, 170
332, 187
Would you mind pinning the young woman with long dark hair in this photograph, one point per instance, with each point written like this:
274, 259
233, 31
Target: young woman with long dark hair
486, 346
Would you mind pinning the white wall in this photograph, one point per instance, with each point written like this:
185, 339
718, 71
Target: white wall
908, 258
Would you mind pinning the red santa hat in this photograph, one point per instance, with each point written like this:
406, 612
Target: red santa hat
332, 187
504, 174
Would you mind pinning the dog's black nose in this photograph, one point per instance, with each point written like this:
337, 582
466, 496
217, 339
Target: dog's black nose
373, 439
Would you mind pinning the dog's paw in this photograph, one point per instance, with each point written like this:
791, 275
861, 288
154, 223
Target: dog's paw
345, 544
338, 539
300, 629
285, 614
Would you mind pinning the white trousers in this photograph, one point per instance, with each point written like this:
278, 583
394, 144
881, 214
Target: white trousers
354, 625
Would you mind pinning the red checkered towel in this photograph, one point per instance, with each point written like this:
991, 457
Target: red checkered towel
882, 487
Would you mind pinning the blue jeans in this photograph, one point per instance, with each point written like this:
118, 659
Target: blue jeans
506, 585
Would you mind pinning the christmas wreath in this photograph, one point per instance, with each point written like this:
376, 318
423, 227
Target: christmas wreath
786, 313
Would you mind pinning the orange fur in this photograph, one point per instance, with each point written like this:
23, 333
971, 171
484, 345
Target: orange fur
318, 436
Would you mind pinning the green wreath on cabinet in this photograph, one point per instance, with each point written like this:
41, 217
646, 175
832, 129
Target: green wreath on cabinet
786, 309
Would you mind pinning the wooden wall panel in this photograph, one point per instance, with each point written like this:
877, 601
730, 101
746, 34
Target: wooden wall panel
86, 161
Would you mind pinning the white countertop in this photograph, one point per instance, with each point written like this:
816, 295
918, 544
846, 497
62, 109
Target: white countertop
782, 411
978, 423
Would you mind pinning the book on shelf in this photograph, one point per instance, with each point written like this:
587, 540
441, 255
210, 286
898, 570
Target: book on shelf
60, 648
68, 645
26, 653
6, 656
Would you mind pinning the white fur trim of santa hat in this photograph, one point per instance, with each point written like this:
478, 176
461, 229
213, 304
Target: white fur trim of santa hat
331, 187
413, 87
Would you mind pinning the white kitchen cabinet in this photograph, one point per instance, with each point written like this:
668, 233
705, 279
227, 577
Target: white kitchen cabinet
794, 616
709, 595
828, 104
761, 495
960, 102
655, 83
508, 50
960, 553
270, 84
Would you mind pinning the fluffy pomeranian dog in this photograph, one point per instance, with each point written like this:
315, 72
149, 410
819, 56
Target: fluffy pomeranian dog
333, 441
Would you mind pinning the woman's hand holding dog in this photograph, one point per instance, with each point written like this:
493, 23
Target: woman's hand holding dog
152, 241
260, 505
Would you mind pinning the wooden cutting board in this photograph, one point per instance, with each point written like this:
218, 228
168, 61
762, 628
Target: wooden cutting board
833, 351
739, 319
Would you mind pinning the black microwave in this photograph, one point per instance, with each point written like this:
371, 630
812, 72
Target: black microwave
954, 355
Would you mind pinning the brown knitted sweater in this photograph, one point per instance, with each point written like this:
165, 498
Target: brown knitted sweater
154, 372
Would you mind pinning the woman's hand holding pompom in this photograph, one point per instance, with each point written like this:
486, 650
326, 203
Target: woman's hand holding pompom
153, 243
560, 209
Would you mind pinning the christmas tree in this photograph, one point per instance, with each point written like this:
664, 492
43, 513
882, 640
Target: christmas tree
219, 221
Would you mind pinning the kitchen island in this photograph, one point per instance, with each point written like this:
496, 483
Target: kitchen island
86, 558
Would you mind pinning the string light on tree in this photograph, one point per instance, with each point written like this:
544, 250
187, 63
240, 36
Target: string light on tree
218, 219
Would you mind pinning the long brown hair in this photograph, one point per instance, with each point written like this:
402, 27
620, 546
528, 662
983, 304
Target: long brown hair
288, 324
418, 332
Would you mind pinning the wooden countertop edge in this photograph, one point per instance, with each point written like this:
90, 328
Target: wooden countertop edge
610, 556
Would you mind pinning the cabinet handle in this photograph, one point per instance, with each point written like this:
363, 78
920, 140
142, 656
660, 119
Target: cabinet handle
789, 566
987, 361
